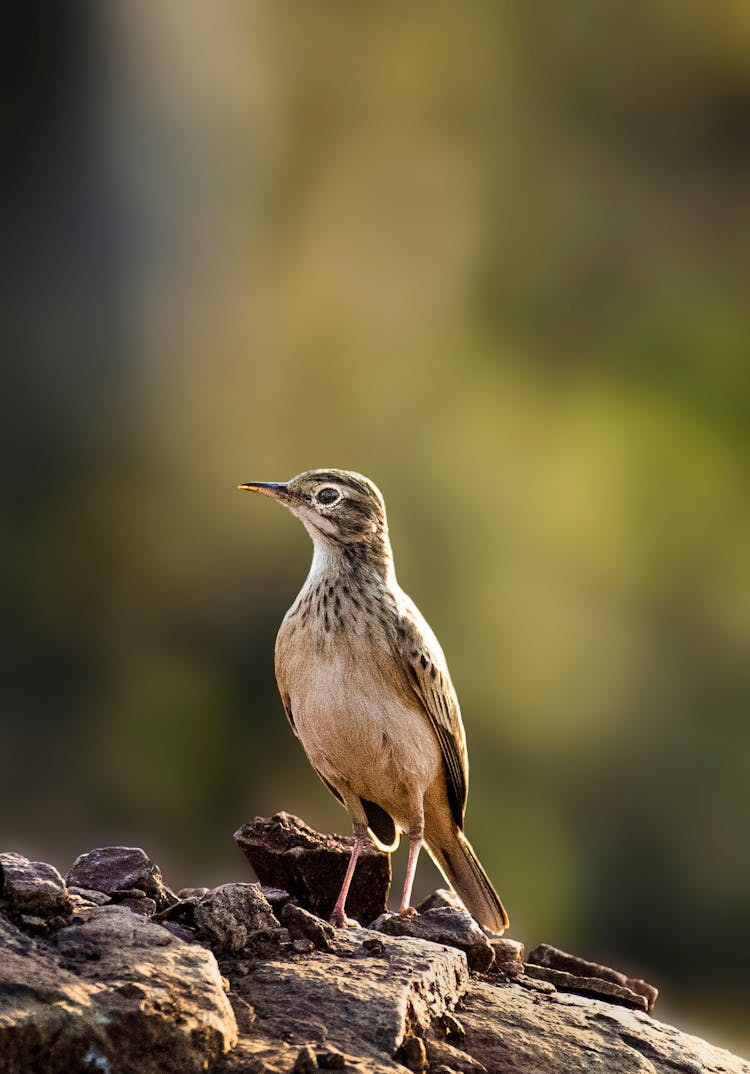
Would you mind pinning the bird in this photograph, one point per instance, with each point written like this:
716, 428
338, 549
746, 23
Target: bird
366, 689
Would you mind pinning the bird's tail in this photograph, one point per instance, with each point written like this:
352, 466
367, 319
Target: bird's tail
453, 854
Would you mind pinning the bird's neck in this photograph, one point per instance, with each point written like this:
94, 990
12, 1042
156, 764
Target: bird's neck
362, 562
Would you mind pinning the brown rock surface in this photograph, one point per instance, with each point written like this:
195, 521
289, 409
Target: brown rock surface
33, 887
555, 959
443, 925
512, 1030
286, 853
229, 916
120, 869
111, 993
359, 1002
587, 986
107, 989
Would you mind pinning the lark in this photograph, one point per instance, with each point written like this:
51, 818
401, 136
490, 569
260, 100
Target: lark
366, 689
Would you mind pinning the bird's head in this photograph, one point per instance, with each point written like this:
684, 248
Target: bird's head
339, 506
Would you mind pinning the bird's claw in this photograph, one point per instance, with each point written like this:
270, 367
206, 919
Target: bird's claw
408, 911
339, 920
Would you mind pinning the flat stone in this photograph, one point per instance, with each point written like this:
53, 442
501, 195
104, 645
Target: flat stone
135, 901
443, 925
111, 869
587, 986
535, 984
33, 887
114, 993
287, 854
554, 958
353, 1001
515, 1030
229, 916
96, 898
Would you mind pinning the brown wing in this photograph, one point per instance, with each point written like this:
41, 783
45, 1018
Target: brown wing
427, 673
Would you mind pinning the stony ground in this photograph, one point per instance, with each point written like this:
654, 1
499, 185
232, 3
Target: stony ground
109, 971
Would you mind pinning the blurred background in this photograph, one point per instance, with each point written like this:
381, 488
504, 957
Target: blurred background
495, 256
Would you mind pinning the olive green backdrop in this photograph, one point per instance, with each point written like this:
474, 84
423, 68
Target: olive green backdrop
496, 257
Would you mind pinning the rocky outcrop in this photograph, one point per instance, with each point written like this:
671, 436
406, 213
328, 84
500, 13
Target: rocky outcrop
110, 991
112, 973
287, 854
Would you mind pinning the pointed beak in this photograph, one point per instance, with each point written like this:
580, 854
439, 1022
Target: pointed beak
275, 489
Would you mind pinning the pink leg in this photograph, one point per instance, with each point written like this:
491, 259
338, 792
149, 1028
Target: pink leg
415, 845
338, 917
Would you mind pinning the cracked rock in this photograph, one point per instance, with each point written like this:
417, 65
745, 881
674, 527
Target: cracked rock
587, 986
229, 916
443, 925
119, 869
551, 957
33, 888
114, 992
305, 926
287, 854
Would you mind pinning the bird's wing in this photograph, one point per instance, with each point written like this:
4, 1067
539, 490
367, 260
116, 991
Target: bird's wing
281, 683
426, 672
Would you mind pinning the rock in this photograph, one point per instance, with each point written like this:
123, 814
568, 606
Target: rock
285, 853
587, 986
228, 917
446, 1055
507, 952
97, 898
303, 925
413, 1055
182, 932
510, 1029
439, 900
33, 888
117, 869
306, 1061
443, 925
113, 993
331, 1059
137, 901
535, 984
276, 897
552, 957
185, 894
452, 1027
358, 1004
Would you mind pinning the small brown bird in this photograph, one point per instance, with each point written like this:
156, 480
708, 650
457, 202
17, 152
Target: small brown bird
366, 689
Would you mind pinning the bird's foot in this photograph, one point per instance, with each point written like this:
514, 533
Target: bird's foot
339, 920
408, 911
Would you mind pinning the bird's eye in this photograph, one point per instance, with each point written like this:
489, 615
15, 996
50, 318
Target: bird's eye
328, 495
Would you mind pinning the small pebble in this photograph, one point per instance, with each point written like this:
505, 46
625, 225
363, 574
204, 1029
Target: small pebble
330, 1059
306, 1061
373, 946
413, 1054
453, 1027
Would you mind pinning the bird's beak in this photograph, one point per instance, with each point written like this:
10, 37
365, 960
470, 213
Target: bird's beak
274, 489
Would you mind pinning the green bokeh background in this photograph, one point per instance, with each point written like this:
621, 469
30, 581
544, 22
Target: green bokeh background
495, 256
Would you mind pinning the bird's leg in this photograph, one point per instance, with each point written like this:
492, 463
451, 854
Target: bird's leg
416, 835
338, 917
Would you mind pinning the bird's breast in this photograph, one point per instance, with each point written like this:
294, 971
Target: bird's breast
355, 716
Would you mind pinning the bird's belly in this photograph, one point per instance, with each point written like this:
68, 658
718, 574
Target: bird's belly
361, 735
